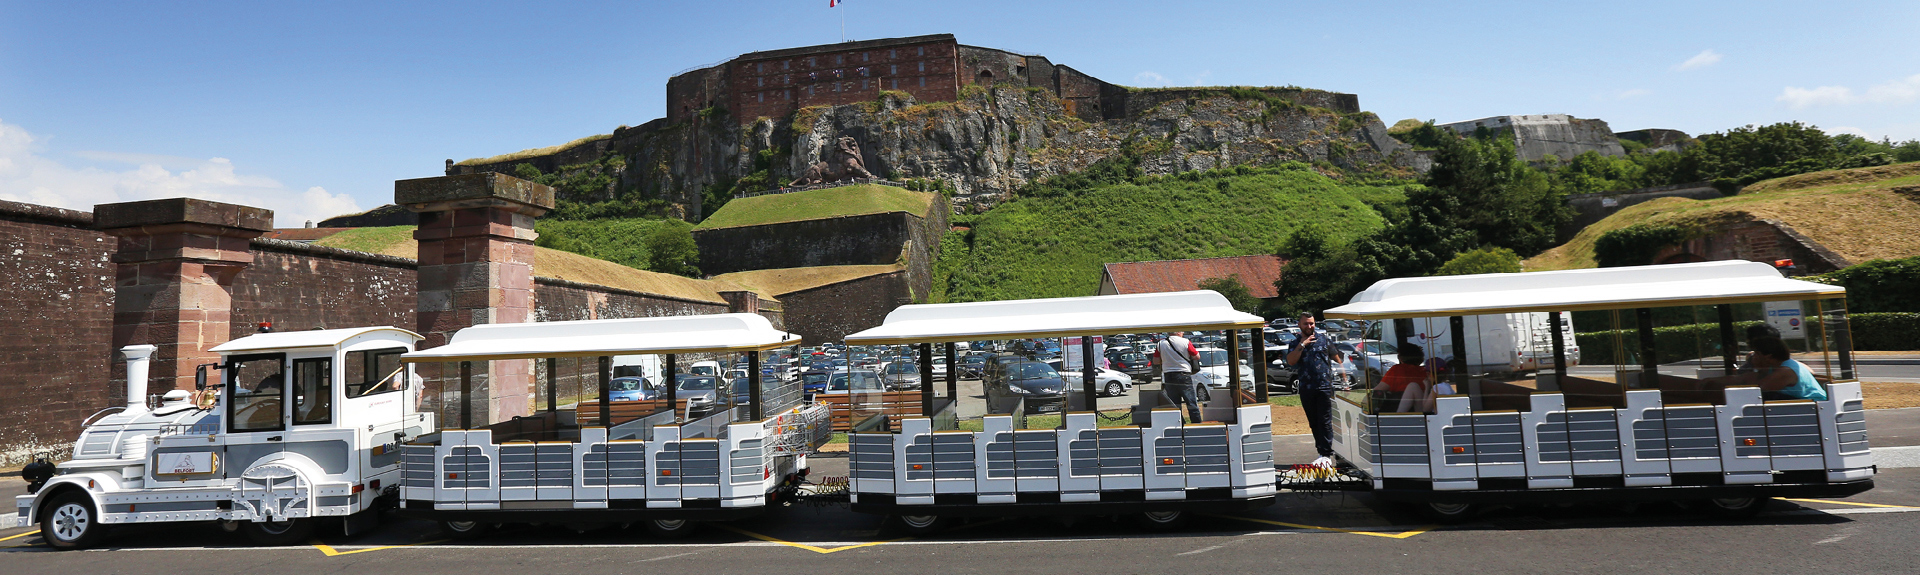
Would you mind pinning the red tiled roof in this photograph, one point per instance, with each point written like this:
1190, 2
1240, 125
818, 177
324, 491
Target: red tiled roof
1258, 272
302, 234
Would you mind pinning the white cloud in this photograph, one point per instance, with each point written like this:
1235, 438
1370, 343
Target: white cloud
1898, 91
1703, 59
1150, 79
27, 176
1822, 96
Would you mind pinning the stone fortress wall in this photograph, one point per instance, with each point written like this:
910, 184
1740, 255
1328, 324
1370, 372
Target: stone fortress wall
1537, 136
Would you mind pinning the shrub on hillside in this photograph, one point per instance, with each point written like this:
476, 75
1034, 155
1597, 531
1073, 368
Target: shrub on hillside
1879, 285
1482, 261
1635, 245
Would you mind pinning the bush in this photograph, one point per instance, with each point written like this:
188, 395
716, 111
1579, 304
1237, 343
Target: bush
1635, 245
1482, 261
1235, 291
1879, 285
1885, 331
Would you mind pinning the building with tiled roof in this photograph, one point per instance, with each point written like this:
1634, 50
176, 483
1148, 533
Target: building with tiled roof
1258, 272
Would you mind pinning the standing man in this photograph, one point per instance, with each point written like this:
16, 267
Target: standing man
1176, 372
1313, 357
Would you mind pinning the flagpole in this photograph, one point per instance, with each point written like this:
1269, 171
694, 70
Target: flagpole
843, 24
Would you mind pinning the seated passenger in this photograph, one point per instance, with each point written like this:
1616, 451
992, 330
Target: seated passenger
1777, 374
1410, 380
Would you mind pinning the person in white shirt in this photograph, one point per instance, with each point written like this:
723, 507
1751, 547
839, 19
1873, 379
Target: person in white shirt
1177, 358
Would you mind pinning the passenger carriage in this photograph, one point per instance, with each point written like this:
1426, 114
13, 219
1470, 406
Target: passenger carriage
301, 426
583, 459
928, 468
1643, 419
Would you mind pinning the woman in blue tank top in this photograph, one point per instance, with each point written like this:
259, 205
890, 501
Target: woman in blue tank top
1778, 375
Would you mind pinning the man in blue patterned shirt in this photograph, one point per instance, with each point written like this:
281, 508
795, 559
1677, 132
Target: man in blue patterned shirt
1313, 357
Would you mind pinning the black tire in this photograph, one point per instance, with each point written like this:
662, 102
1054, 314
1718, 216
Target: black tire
278, 533
69, 522
669, 528
921, 525
1114, 389
1448, 513
1734, 507
1163, 521
465, 530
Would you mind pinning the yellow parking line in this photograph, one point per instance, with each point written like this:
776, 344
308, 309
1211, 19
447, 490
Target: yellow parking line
1849, 503
331, 552
1400, 535
815, 549
12, 537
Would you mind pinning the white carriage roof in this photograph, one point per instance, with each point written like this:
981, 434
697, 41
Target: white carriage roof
1702, 283
730, 332
305, 339
1093, 315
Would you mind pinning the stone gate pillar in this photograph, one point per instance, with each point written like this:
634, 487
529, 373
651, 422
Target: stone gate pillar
176, 263
476, 267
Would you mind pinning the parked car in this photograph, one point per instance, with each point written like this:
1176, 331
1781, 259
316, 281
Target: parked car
939, 366
1130, 361
705, 368
900, 375
1110, 383
633, 388
700, 391
812, 382
853, 381
973, 366
1213, 370
1037, 382
1373, 358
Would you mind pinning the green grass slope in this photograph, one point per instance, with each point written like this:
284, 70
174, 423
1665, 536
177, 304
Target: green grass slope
619, 240
816, 204
1056, 246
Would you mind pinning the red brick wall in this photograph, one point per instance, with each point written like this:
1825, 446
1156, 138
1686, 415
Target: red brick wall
775, 87
301, 287
58, 326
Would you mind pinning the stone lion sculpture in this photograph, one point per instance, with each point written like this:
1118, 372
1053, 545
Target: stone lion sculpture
843, 164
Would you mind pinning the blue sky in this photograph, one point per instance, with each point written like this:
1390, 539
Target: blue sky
315, 109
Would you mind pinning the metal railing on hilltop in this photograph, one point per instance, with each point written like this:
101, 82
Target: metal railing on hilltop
854, 181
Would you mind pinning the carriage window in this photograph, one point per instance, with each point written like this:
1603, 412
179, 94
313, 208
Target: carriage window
258, 393
374, 371
312, 391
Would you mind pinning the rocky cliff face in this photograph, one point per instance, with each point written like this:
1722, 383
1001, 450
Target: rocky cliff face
984, 147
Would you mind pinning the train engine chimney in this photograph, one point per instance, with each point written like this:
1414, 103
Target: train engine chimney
138, 357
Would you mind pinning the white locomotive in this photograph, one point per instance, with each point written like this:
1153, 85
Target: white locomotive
300, 426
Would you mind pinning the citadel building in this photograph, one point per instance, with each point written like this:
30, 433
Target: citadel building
933, 68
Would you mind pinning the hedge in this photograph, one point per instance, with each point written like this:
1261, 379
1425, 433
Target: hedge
1871, 332
1879, 285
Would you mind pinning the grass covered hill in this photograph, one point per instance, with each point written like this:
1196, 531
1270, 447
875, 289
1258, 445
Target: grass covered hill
854, 200
559, 264
1862, 214
1054, 239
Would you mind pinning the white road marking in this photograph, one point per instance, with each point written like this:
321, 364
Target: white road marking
669, 557
1842, 536
1199, 551
1896, 457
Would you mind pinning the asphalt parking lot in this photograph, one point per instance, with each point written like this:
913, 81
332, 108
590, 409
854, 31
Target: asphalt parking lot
1866, 533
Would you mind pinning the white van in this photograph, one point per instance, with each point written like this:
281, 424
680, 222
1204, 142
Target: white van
1497, 343
705, 368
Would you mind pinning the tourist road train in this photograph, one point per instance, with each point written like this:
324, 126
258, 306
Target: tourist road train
332, 425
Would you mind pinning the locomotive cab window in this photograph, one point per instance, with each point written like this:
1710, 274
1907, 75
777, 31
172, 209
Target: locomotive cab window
313, 391
257, 385
374, 371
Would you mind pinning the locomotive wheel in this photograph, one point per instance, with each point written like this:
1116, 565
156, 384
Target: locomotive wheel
69, 522
278, 533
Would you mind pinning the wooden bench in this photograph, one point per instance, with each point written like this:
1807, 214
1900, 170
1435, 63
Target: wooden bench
843, 411
624, 411
1582, 392
1498, 395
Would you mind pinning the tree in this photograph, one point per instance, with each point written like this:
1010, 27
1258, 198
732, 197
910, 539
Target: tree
1498, 198
670, 249
1235, 291
1482, 261
1748, 154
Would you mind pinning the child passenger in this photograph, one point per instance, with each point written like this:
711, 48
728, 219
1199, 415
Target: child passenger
1411, 381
